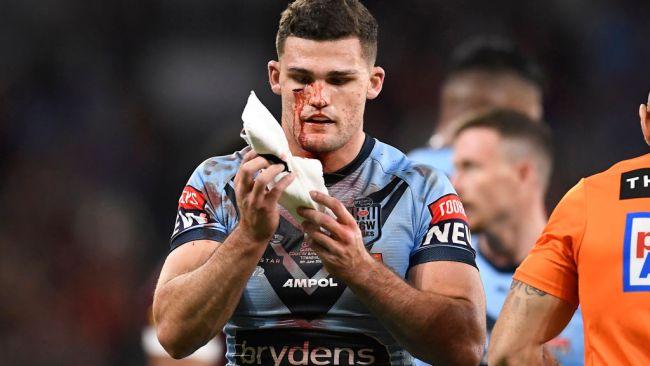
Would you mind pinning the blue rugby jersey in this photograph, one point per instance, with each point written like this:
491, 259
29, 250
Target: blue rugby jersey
292, 311
441, 158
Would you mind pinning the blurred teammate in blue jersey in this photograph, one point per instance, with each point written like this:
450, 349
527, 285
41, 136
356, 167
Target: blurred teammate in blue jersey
503, 163
391, 277
483, 73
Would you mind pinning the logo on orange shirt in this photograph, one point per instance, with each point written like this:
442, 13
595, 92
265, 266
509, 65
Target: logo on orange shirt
636, 252
635, 184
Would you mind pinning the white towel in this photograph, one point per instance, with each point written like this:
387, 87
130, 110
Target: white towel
264, 134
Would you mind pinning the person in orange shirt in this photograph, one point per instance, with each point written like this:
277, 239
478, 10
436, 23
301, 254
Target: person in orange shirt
593, 252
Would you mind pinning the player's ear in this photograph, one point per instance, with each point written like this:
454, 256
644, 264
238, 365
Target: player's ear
376, 82
274, 76
644, 115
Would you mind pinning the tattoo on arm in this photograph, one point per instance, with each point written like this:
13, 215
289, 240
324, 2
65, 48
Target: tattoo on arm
528, 289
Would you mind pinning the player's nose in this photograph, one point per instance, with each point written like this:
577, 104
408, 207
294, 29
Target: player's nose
318, 95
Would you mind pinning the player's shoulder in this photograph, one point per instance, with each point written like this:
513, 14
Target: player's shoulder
218, 169
421, 153
417, 175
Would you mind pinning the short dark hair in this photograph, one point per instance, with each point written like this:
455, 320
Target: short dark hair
496, 55
324, 20
513, 125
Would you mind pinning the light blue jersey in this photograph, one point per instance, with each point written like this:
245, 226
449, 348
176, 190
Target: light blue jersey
440, 158
292, 311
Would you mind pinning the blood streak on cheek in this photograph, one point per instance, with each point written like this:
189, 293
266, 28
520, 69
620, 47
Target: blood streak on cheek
301, 96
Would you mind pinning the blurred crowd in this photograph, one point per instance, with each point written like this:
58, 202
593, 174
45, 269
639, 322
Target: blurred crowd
106, 107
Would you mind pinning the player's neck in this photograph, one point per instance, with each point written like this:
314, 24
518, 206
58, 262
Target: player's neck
507, 243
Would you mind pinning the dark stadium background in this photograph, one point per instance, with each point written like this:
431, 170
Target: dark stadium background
107, 106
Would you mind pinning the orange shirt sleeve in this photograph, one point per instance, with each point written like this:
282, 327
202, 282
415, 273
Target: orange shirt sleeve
551, 264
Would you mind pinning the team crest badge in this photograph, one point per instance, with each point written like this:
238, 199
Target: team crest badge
367, 213
636, 252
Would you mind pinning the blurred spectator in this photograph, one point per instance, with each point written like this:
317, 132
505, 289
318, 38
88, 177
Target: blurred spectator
503, 162
485, 73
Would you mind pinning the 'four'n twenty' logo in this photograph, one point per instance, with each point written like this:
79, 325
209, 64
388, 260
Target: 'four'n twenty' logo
448, 223
636, 252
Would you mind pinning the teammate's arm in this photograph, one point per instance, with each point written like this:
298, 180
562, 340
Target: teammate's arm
530, 317
201, 282
440, 319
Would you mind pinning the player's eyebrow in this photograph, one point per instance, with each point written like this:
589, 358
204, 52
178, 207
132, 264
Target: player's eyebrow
335, 73
339, 73
299, 70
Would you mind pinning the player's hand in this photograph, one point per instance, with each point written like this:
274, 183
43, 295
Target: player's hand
341, 247
258, 206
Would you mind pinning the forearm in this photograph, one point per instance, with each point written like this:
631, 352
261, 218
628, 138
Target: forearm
515, 346
529, 318
528, 354
435, 328
191, 308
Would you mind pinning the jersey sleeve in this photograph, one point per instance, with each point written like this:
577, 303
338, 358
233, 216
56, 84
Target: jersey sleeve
202, 213
442, 231
551, 264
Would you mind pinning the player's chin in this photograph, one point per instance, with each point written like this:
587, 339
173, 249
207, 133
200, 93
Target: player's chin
319, 142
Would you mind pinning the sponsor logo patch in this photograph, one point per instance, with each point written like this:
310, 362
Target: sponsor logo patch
307, 347
636, 249
191, 210
447, 207
448, 223
635, 184
310, 282
191, 199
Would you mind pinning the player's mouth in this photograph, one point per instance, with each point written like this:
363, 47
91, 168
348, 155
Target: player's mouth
318, 119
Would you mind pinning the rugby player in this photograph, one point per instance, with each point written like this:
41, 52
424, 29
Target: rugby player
503, 162
484, 73
593, 252
392, 276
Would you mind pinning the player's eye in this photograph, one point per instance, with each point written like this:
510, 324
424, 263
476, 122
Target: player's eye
338, 81
302, 79
467, 165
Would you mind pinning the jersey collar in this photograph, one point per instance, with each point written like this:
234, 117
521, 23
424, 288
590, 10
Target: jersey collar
366, 149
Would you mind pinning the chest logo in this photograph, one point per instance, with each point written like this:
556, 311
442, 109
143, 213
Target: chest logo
635, 184
367, 213
636, 252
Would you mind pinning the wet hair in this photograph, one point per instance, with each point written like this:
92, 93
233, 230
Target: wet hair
496, 55
534, 136
325, 20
